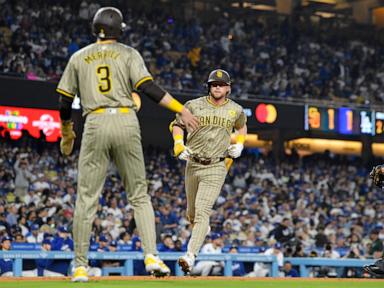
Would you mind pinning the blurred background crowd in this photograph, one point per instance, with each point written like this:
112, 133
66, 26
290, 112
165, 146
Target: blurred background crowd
285, 59
320, 205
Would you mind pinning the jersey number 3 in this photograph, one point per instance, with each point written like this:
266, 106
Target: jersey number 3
104, 74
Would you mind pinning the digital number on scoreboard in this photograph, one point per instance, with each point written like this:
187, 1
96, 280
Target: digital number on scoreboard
342, 120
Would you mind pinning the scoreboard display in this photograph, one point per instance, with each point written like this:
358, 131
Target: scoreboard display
379, 123
342, 120
324, 119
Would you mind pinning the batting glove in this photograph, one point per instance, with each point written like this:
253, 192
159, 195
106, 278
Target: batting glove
178, 147
186, 154
234, 150
68, 137
180, 150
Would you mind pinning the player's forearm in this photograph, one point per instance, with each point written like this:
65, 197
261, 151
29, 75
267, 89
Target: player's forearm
178, 138
65, 108
152, 91
160, 96
177, 133
171, 103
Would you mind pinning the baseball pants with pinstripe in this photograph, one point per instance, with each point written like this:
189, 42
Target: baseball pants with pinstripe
203, 184
116, 137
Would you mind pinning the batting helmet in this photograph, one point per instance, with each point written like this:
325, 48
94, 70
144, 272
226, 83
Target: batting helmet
108, 23
219, 75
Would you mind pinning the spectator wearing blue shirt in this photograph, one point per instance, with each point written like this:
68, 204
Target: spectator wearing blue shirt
6, 265
237, 266
48, 267
101, 247
62, 242
289, 271
168, 219
138, 265
168, 245
103, 244
136, 244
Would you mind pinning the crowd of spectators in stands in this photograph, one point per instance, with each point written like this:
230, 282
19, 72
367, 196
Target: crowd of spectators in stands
279, 60
320, 205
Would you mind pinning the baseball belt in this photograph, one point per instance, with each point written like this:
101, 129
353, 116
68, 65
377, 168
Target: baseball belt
206, 161
111, 110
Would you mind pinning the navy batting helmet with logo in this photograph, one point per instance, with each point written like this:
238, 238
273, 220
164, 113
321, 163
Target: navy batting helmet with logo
108, 23
219, 75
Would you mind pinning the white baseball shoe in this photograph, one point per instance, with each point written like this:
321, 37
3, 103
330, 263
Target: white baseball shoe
186, 262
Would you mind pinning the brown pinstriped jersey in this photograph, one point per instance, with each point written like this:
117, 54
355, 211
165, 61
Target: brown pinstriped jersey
216, 123
104, 75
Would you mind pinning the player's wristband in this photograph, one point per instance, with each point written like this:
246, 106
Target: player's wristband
240, 139
175, 106
178, 138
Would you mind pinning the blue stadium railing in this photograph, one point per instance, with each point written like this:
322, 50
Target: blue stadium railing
127, 269
343, 251
305, 263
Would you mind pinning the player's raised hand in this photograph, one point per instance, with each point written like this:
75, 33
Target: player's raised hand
191, 122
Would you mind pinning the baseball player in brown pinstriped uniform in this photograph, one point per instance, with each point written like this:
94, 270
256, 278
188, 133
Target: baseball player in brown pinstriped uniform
104, 75
205, 152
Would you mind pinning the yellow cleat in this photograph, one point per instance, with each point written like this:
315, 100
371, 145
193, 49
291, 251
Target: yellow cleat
80, 274
155, 266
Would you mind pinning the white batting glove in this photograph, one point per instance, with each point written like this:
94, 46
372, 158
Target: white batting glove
186, 154
235, 150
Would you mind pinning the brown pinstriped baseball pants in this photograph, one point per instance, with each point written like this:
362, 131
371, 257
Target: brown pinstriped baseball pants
113, 137
203, 184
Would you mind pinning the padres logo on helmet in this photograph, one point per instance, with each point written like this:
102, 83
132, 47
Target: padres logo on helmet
219, 75
108, 23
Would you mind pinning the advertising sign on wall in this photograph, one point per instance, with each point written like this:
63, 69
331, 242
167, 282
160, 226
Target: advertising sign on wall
16, 119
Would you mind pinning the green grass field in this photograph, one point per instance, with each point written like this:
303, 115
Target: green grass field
198, 284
